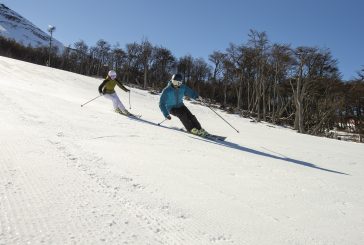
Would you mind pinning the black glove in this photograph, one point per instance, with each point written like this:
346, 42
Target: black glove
101, 93
169, 117
128, 90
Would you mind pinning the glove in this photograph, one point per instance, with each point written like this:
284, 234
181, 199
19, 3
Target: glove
101, 93
169, 117
128, 90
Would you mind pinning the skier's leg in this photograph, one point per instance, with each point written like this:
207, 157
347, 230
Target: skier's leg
194, 124
119, 103
188, 120
181, 114
192, 118
118, 106
112, 98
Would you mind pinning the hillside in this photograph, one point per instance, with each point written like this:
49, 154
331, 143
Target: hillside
16, 27
86, 175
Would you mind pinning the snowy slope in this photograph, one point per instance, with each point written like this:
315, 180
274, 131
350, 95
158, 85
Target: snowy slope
86, 175
14, 26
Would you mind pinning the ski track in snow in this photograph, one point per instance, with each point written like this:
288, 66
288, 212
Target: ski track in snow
89, 176
91, 181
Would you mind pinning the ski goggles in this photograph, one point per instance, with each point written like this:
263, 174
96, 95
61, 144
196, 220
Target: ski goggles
176, 83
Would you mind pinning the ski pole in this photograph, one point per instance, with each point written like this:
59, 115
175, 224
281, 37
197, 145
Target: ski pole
91, 100
162, 121
129, 100
220, 116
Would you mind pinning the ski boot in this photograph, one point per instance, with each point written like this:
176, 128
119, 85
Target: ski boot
117, 110
122, 112
126, 113
199, 132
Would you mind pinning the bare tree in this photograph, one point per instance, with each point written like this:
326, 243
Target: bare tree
258, 41
146, 55
163, 65
81, 50
361, 74
217, 59
130, 68
312, 65
185, 66
118, 58
280, 60
200, 73
234, 64
102, 50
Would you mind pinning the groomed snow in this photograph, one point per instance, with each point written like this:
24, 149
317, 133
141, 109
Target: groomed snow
86, 175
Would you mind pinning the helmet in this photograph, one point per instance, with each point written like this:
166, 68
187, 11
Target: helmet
177, 80
112, 74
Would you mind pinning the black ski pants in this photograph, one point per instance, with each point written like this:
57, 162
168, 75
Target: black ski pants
187, 118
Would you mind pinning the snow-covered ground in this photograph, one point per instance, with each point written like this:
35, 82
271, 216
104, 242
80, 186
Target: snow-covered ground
86, 175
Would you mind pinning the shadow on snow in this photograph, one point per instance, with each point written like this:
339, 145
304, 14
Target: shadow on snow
245, 149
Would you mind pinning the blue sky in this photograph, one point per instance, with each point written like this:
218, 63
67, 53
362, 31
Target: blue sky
199, 27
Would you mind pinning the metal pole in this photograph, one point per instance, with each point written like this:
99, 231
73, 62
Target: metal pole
162, 121
91, 100
129, 100
50, 49
220, 116
51, 29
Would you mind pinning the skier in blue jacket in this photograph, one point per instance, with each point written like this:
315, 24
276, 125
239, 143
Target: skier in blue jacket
171, 103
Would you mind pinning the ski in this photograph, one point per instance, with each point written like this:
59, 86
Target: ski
213, 137
136, 116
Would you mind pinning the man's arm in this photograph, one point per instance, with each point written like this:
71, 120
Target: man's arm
191, 93
162, 104
102, 86
120, 85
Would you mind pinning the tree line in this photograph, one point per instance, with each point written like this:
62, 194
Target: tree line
296, 86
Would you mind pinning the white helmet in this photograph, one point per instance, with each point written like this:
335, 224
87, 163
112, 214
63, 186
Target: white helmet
112, 74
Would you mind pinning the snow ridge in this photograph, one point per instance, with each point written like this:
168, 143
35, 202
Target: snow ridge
16, 27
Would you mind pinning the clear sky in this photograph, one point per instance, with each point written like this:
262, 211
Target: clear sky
198, 27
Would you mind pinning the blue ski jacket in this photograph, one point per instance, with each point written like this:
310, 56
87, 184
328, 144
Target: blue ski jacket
172, 97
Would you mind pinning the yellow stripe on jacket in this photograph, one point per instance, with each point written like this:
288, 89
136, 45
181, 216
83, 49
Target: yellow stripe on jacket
108, 86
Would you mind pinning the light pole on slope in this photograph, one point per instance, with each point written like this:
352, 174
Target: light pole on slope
51, 29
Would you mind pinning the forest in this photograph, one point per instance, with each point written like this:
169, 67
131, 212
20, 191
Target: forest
298, 87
